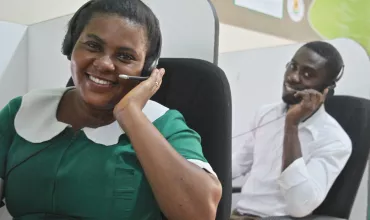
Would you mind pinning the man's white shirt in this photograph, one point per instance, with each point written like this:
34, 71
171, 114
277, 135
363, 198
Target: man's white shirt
304, 184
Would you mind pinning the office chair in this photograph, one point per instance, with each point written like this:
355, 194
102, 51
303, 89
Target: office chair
353, 114
201, 92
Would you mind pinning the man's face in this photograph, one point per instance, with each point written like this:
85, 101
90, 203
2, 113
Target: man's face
306, 70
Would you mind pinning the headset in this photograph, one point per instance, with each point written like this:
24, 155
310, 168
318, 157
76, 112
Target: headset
67, 48
334, 83
151, 64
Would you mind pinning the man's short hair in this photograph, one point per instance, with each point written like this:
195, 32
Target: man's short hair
334, 62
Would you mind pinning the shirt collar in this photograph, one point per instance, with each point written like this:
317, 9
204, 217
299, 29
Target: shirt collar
36, 119
312, 122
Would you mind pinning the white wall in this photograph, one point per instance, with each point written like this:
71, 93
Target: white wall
235, 39
11, 34
256, 76
34, 11
13, 61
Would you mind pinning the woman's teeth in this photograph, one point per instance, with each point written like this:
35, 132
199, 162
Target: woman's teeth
99, 81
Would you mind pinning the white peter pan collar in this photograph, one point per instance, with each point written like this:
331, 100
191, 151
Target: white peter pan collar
36, 119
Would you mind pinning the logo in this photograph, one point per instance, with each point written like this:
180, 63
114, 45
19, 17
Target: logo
295, 10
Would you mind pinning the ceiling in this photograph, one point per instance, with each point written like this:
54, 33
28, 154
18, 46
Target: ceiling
34, 11
29, 12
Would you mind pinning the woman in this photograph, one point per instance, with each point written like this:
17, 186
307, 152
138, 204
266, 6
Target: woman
101, 150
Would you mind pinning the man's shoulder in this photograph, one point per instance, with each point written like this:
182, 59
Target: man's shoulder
276, 108
331, 128
327, 131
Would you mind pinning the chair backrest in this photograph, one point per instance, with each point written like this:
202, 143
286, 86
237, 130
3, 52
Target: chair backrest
201, 92
353, 114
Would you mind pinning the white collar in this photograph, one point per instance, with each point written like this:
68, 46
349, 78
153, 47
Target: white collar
36, 119
313, 122
321, 112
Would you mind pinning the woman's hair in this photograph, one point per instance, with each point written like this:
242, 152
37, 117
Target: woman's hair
133, 10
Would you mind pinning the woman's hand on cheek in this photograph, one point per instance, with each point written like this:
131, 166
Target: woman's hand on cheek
139, 96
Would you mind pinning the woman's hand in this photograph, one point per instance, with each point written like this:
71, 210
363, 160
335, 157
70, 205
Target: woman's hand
173, 179
139, 96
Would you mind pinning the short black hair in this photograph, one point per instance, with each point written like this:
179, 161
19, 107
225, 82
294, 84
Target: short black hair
334, 64
133, 10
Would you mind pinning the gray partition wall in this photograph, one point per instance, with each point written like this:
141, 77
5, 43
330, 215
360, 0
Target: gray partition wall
13, 61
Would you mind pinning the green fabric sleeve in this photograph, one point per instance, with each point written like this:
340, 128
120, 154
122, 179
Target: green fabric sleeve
7, 130
186, 141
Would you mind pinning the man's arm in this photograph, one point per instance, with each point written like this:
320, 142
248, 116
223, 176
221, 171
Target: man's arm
311, 101
242, 159
291, 145
305, 185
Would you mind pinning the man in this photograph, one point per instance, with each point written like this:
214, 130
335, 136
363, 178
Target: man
295, 150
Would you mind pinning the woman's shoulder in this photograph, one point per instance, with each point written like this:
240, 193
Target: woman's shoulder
170, 121
13, 105
42, 96
33, 98
160, 114
39, 102
7, 114
36, 112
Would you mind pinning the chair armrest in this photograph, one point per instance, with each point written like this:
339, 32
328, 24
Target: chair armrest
237, 189
310, 217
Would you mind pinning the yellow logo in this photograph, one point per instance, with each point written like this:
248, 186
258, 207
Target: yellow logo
296, 6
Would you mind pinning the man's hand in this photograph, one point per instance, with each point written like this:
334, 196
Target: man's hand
311, 101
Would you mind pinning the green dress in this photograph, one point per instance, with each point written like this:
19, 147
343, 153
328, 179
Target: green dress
52, 172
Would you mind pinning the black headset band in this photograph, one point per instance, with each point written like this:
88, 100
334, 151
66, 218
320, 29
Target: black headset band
340, 75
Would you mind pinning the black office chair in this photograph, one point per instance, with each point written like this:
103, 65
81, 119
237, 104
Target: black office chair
353, 114
201, 92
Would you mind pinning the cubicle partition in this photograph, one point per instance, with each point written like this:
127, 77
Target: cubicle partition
256, 78
13, 61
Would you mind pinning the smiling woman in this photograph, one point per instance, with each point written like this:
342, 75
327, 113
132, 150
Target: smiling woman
102, 149
107, 44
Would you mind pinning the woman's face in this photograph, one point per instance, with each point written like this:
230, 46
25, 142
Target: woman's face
108, 46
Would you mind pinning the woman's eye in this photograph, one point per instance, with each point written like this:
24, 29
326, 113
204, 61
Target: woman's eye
125, 57
93, 46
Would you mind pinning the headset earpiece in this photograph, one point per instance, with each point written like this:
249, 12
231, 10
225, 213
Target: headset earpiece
148, 68
331, 90
334, 84
153, 66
